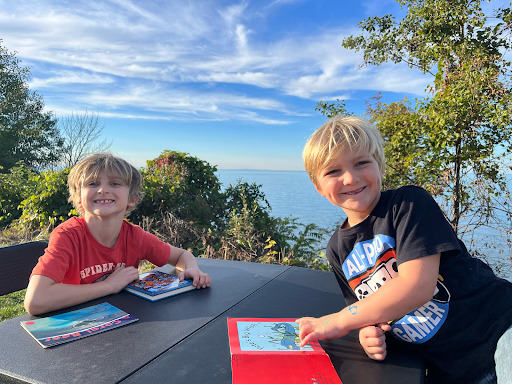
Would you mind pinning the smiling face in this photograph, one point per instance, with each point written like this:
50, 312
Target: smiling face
345, 160
91, 170
105, 196
352, 181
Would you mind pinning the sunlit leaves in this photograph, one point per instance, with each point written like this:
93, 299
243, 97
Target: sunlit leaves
455, 142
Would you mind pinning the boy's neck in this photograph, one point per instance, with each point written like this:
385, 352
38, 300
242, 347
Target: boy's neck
106, 232
353, 221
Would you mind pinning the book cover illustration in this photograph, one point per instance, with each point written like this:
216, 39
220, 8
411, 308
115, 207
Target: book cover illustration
74, 325
157, 282
268, 350
270, 336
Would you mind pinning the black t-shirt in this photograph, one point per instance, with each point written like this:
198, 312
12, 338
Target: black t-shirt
457, 331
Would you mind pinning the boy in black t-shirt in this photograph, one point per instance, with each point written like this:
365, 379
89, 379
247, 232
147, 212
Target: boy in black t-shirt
402, 269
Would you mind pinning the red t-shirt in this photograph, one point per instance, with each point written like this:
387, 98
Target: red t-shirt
74, 256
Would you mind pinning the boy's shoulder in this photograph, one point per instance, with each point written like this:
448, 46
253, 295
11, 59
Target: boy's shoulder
73, 229
404, 194
388, 201
134, 232
409, 190
130, 227
73, 223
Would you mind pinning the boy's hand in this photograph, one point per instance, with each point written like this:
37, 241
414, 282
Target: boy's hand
199, 278
326, 327
121, 277
373, 340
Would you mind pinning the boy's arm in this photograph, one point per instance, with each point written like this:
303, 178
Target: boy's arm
45, 295
186, 261
413, 287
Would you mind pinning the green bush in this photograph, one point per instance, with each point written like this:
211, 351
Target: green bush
15, 186
182, 185
48, 205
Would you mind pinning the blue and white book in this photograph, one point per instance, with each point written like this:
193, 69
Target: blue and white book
74, 325
159, 283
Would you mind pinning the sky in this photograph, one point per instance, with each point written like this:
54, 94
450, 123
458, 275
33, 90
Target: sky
234, 83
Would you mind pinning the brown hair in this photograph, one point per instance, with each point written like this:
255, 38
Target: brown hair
92, 166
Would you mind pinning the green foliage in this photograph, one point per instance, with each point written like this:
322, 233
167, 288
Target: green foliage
456, 141
332, 109
243, 238
247, 232
246, 225
299, 244
244, 198
26, 132
243, 223
182, 185
14, 187
48, 205
261, 237
403, 130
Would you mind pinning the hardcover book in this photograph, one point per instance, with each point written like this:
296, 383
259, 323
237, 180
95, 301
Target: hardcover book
158, 284
268, 350
74, 325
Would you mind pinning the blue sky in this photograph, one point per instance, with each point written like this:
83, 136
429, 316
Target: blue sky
234, 83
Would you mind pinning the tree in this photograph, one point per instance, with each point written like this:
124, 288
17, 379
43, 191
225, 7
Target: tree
81, 133
332, 109
182, 185
26, 132
403, 148
456, 141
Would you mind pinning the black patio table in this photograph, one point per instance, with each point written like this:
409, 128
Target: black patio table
185, 336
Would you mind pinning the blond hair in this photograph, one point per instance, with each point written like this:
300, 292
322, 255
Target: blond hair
340, 134
92, 166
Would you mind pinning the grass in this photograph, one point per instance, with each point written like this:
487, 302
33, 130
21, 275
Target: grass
11, 305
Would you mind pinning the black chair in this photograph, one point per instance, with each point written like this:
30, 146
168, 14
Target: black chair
16, 264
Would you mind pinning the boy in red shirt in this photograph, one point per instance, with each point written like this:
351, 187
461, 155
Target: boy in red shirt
98, 253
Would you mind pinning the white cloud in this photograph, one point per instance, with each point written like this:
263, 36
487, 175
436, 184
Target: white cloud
259, 79
184, 58
69, 77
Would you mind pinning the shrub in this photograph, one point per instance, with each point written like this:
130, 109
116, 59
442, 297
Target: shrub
15, 186
182, 185
48, 205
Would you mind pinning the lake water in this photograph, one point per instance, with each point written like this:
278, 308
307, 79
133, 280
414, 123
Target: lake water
291, 193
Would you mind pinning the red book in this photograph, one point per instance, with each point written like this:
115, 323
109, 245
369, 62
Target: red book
268, 351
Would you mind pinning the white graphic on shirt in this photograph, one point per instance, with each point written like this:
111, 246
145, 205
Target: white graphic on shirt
99, 269
372, 264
